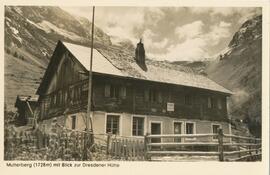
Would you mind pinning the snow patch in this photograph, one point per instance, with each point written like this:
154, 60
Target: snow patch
226, 50
18, 38
15, 31
18, 10
51, 28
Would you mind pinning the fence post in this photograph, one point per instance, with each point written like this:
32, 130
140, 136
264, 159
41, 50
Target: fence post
146, 146
256, 147
108, 143
220, 145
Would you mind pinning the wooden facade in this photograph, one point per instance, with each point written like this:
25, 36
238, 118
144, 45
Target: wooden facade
64, 92
114, 94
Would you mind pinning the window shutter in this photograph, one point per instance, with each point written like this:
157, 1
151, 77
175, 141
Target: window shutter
107, 90
123, 92
146, 95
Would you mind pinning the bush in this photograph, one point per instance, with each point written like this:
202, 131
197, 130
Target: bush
15, 54
8, 50
21, 57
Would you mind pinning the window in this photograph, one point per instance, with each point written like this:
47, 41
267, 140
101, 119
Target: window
123, 92
188, 100
73, 122
112, 125
115, 91
219, 103
189, 128
138, 126
177, 130
210, 102
215, 129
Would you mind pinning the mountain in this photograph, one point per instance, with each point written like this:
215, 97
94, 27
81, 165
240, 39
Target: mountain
31, 34
239, 69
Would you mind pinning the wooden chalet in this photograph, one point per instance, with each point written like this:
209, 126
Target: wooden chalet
131, 96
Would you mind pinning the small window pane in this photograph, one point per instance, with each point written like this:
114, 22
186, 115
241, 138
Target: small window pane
137, 126
189, 128
112, 125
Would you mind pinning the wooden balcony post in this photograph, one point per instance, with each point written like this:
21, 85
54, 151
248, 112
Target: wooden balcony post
220, 145
108, 143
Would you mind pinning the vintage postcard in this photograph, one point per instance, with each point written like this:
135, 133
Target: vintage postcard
113, 85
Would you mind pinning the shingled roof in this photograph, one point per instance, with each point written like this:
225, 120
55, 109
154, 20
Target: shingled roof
109, 63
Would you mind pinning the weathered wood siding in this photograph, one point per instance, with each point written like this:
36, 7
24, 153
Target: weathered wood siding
135, 100
68, 90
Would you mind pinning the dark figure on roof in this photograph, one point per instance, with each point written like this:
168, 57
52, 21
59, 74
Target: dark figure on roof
140, 55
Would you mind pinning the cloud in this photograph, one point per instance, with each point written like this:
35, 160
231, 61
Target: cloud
190, 30
224, 11
217, 32
191, 49
172, 33
149, 43
200, 10
152, 15
243, 12
196, 43
225, 24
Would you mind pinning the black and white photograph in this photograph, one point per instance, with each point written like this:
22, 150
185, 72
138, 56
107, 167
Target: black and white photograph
133, 83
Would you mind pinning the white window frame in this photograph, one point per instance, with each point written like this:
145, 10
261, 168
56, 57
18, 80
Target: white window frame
120, 122
212, 124
194, 130
182, 128
161, 126
144, 126
182, 125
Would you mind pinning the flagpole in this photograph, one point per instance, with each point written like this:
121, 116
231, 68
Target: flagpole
89, 104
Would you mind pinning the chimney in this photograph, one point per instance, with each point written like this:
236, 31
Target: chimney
140, 53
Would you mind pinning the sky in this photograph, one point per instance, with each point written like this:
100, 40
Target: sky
171, 33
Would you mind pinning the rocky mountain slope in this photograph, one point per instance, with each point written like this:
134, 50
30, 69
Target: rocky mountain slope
238, 68
31, 34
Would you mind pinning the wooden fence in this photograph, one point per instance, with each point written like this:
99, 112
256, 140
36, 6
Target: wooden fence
125, 148
238, 148
55, 146
80, 146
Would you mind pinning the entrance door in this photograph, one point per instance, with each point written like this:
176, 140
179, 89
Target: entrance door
177, 130
155, 130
